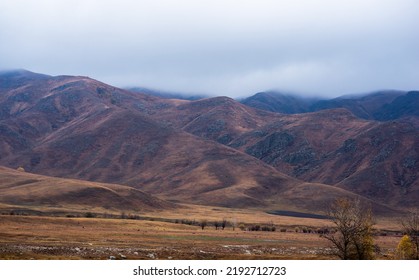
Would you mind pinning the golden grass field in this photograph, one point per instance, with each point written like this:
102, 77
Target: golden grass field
46, 237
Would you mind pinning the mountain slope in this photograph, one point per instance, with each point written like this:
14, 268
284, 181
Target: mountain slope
376, 160
373, 106
403, 106
297, 141
221, 119
167, 95
28, 190
278, 102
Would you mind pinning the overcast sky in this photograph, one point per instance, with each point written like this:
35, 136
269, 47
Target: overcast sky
219, 47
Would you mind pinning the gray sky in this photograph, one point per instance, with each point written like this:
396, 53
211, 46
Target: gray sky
220, 47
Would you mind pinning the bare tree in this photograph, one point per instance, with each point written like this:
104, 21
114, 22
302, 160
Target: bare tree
411, 227
203, 224
354, 225
223, 223
234, 223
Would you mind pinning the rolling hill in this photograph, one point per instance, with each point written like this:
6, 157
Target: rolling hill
30, 191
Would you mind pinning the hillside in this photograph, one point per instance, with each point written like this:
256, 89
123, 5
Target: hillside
221, 119
403, 106
376, 160
167, 95
318, 147
24, 190
372, 106
279, 102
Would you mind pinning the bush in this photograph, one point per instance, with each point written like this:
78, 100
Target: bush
89, 215
268, 228
254, 228
203, 224
405, 249
189, 222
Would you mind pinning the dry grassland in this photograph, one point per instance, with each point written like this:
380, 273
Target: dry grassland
34, 237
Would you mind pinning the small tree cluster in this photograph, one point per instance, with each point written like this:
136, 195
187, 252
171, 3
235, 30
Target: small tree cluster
307, 230
124, 215
354, 229
411, 228
268, 228
257, 227
220, 224
90, 215
189, 222
253, 228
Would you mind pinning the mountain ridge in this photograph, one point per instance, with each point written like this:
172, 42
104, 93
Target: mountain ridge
379, 105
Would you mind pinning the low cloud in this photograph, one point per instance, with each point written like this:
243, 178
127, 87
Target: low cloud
218, 47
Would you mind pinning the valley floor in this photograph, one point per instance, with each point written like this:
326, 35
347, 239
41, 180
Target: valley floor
34, 237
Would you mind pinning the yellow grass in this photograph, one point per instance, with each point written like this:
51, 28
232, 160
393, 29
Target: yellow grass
27, 237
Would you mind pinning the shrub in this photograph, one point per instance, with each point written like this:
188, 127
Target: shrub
268, 228
203, 224
89, 215
223, 223
405, 248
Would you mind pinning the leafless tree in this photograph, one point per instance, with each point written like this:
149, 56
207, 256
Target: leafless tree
411, 227
203, 224
234, 223
352, 238
223, 223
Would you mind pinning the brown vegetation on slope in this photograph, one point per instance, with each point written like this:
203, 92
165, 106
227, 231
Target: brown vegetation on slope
21, 189
77, 127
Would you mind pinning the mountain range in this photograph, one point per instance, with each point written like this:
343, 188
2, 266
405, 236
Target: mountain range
381, 105
211, 151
